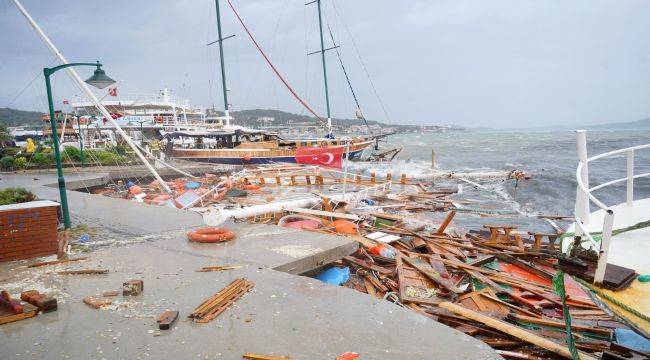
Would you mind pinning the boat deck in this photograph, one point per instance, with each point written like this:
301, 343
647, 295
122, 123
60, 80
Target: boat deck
630, 249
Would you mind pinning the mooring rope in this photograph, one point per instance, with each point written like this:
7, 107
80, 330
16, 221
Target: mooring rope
275, 70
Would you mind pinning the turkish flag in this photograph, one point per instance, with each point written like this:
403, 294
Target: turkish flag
330, 156
112, 91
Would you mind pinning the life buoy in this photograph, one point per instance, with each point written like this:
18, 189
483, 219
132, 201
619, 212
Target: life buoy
247, 157
210, 235
158, 119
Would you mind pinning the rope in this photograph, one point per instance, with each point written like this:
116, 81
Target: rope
347, 78
275, 70
363, 64
614, 301
558, 285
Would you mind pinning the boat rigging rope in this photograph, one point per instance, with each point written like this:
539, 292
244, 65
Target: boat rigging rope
275, 70
347, 78
363, 64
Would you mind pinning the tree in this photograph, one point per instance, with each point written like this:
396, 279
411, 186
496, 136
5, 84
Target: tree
5, 136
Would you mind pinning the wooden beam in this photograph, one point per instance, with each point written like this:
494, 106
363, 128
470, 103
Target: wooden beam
513, 330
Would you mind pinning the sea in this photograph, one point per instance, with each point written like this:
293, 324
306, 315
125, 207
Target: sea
550, 157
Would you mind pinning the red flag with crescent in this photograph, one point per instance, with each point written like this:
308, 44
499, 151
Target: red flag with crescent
329, 156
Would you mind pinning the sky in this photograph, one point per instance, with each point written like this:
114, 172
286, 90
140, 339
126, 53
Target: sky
483, 63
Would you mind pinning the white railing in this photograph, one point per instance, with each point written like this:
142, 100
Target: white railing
584, 195
136, 99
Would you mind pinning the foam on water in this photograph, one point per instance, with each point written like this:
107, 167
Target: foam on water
549, 156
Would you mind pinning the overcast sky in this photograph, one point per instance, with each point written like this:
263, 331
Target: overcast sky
472, 63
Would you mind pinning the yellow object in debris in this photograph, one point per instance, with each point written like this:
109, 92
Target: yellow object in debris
30, 148
632, 304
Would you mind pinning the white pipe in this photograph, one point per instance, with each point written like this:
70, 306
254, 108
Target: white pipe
82, 86
214, 216
582, 195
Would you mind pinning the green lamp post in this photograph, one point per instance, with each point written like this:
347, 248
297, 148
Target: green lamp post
99, 80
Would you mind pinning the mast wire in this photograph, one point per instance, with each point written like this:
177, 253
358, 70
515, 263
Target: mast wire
347, 78
365, 69
275, 70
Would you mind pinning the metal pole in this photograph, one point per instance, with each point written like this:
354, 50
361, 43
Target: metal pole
57, 152
630, 177
223, 65
80, 83
582, 198
345, 171
433, 158
81, 143
322, 52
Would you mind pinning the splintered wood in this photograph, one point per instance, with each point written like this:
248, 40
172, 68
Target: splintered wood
219, 302
494, 284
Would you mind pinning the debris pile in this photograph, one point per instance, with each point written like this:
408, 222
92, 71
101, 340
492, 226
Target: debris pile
495, 284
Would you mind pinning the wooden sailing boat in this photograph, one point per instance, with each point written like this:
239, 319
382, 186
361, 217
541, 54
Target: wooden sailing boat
231, 144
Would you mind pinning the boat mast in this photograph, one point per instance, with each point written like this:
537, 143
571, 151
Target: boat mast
223, 66
322, 52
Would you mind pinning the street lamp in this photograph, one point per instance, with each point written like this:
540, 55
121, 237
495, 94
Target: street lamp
99, 80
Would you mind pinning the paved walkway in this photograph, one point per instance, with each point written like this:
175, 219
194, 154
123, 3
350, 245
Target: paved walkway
285, 314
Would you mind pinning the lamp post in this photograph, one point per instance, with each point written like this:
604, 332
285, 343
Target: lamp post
99, 80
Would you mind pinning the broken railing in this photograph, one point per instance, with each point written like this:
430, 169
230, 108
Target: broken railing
584, 195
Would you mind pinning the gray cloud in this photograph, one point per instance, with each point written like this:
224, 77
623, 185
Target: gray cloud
475, 63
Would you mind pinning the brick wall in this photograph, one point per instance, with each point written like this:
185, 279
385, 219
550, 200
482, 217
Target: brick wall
28, 230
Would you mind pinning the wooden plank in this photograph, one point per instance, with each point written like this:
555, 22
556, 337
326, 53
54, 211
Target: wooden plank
431, 273
253, 356
414, 286
367, 265
446, 222
513, 330
28, 311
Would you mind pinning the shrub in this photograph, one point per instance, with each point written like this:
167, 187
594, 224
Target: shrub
9, 151
71, 153
15, 195
105, 157
20, 163
7, 162
41, 159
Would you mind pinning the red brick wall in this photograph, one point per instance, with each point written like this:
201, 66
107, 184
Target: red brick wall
28, 233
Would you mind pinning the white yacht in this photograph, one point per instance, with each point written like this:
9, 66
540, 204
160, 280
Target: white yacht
619, 234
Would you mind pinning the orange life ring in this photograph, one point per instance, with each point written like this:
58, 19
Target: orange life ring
210, 235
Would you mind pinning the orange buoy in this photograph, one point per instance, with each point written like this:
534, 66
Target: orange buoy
345, 227
210, 235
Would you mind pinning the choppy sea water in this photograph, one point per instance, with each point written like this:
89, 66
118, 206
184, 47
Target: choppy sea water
550, 157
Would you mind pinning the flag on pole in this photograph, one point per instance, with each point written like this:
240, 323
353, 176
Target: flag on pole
329, 156
112, 91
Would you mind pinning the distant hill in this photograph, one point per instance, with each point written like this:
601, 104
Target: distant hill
13, 117
254, 118
631, 125
251, 118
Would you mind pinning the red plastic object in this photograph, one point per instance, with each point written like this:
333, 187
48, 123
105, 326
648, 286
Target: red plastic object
348, 356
